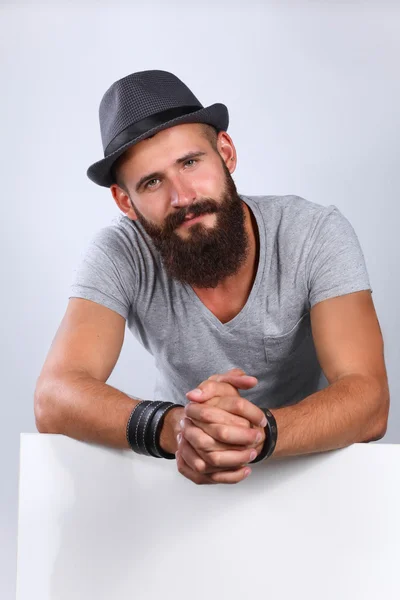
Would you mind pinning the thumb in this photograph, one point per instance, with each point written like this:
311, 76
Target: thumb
241, 382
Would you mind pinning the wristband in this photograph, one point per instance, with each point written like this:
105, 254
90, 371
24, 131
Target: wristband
143, 421
144, 427
132, 427
271, 436
156, 427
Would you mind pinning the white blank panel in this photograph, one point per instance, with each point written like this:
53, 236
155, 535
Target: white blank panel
102, 524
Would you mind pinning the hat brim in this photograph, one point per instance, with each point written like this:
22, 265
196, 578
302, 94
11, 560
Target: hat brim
216, 115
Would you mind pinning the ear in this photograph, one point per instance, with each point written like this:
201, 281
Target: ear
123, 201
227, 150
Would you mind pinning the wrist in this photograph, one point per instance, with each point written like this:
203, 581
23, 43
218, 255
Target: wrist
171, 428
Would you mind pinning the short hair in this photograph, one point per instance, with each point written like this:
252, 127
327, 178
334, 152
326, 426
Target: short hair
208, 131
211, 134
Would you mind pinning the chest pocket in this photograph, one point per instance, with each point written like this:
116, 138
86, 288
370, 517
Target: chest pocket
292, 348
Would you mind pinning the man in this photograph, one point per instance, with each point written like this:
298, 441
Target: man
243, 301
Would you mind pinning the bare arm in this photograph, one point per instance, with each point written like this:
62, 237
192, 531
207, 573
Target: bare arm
71, 395
354, 407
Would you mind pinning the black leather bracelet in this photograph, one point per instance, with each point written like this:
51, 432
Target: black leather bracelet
151, 441
132, 427
156, 430
143, 424
128, 425
271, 436
144, 427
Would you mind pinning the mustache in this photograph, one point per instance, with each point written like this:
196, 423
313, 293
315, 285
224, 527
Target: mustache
203, 207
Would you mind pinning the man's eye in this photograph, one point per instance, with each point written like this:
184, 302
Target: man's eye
148, 183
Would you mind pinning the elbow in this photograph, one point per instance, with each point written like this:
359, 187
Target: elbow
379, 422
44, 414
382, 426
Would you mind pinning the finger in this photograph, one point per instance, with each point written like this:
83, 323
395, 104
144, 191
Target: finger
210, 388
201, 441
230, 476
213, 387
234, 371
225, 434
187, 472
235, 405
194, 460
236, 377
208, 462
213, 414
242, 382
204, 444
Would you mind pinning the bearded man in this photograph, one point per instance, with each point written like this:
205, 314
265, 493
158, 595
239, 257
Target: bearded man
246, 303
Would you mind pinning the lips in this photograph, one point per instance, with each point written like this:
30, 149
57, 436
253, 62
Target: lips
191, 219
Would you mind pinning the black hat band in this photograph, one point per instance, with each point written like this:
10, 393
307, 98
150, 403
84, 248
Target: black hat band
136, 129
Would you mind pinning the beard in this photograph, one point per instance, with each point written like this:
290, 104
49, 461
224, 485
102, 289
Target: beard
208, 255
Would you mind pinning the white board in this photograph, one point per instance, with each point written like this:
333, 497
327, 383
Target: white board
103, 524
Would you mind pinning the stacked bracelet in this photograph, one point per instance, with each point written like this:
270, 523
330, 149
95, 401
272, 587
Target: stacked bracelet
144, 428
271, 436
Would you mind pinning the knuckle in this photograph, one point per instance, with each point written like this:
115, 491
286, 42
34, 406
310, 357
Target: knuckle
213, 377
204, 413
223, 433
199, 465
238, 403
212, 388
215, 459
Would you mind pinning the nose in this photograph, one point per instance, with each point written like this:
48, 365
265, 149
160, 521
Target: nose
182, 194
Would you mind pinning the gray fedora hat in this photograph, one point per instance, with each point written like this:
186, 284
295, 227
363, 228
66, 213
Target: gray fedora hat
142, 104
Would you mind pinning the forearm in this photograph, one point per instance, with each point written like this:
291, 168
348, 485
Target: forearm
83, 408
353, 409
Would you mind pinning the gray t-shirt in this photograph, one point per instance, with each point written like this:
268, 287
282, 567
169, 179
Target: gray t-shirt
308, 253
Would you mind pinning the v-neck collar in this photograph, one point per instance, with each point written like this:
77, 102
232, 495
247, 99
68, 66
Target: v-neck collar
225, 327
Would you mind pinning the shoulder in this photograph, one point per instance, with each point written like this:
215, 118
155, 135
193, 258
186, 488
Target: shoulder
122, 241
289, 206
119, 234
290, 214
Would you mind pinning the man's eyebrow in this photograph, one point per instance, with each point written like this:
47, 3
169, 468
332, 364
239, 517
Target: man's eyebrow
159, 174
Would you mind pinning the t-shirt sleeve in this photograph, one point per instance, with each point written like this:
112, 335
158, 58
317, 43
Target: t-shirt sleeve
106, 272
335, 263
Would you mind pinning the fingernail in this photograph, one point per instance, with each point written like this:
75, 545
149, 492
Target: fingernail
178, 438
182, 423
258, 437
263, 422
253, 454
247, 472
196, 392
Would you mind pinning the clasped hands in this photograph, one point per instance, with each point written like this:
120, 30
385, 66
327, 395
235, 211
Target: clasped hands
221, 432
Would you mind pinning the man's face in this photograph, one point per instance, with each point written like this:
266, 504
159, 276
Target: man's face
191, 210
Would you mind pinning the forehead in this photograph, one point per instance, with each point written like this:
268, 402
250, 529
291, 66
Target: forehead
180, 139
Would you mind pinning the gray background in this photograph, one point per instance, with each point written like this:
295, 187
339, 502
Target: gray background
313, 94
